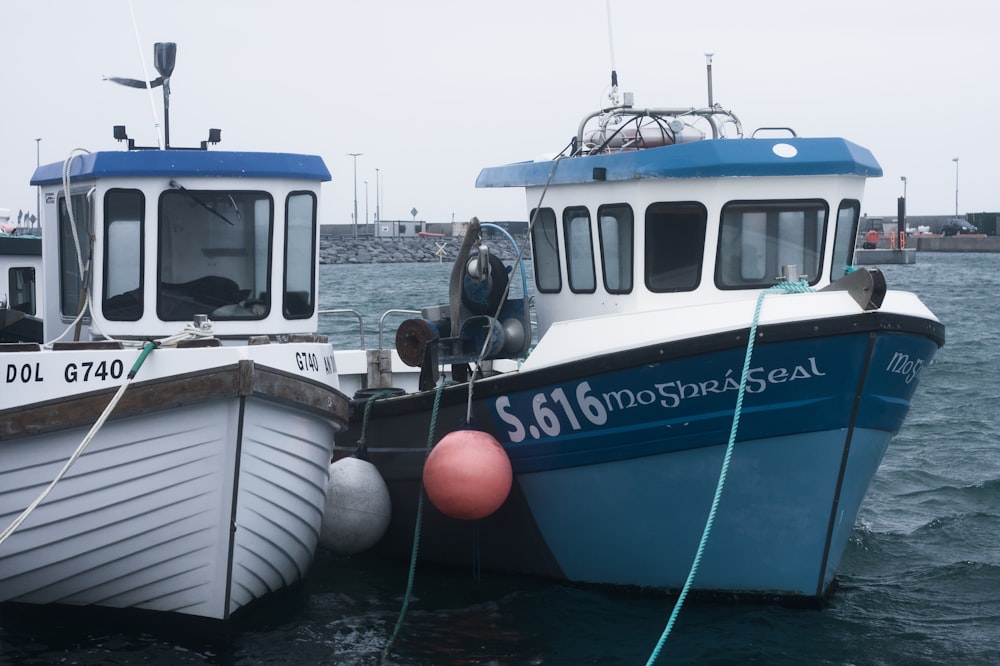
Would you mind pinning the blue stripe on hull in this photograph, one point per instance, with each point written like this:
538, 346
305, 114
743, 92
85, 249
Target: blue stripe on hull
638, 521
804, 386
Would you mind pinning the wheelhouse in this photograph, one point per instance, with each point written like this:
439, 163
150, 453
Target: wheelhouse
152, 242
648, 229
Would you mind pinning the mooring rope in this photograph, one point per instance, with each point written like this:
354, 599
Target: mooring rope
149, 346
416, 529
781, 287
363, 440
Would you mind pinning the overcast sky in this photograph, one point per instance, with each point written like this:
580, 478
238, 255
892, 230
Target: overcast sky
432, 91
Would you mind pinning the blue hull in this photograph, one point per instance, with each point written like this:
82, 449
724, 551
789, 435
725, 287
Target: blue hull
616, 467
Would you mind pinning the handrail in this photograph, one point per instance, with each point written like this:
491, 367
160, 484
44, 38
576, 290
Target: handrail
361, 322
381, 321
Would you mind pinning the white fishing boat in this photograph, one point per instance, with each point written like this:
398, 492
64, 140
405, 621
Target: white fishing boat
712, 386
167, 447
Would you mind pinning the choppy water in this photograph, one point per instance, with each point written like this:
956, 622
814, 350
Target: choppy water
919, 583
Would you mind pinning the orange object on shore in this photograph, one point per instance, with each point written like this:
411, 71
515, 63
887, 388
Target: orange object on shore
872, 236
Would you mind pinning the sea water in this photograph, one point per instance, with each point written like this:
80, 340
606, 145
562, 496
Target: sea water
919, 582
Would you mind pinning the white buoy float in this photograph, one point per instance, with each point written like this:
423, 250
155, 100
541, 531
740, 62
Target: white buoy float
357, 509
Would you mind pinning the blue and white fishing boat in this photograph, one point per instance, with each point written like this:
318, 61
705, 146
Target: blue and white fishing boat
702, 341
167, 448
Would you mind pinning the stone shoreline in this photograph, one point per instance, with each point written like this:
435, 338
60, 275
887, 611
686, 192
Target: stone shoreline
403, 250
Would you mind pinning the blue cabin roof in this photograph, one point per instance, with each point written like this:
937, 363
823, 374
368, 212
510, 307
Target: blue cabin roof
699, 159
202, 163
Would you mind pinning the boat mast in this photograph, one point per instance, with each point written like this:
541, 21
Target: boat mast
708, 58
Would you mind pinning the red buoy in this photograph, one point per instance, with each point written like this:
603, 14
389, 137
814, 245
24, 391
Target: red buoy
467, 475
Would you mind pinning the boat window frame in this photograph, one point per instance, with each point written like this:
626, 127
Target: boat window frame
771, 264
291, 299
545, 254
845, 239
22, 287
624, 259
578, 232
253, 304
131, 302
71, 282
688, 258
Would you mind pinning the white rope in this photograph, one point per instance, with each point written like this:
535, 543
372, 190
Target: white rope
73, 458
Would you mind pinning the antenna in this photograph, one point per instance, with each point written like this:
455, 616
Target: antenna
708, 58
145, 74
613, 96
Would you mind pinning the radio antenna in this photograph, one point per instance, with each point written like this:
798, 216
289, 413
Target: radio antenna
613, 96
708, 59
145, 75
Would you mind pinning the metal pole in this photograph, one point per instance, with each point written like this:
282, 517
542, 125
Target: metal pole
376, 197
366, 205
708, 59
955, 160
355, 156
38, 190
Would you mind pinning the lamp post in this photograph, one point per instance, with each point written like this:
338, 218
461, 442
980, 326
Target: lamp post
38, 190
376, 197
901, 209
955, 160
355, 156
366, 205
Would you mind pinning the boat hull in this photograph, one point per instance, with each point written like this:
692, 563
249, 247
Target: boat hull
617, 458
202, 493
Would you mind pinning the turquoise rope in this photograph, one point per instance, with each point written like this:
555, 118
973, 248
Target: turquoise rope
787, 287
416, 529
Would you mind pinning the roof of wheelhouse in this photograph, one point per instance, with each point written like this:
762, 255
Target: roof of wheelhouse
200, 163
697, 159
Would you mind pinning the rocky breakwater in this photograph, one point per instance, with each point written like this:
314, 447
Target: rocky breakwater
404, 250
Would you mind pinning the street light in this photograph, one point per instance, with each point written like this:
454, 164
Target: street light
366, 205
955, 160
355, 156
38, 190
376, 197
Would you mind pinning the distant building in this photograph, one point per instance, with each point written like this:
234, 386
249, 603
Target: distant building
985, 222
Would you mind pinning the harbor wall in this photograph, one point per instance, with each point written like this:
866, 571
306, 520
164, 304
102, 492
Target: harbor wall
971, 243
404, 250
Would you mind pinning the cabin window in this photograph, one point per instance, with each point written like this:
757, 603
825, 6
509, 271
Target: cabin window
300, 255
123, 259
75, 233
214, 254
545, 251
758, 238
21, 283
844, 241
579, 250
615, 231
675, 246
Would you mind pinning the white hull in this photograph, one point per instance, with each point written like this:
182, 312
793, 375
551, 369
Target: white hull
198, 505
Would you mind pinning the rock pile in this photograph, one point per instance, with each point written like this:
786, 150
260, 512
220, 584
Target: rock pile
402, 250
